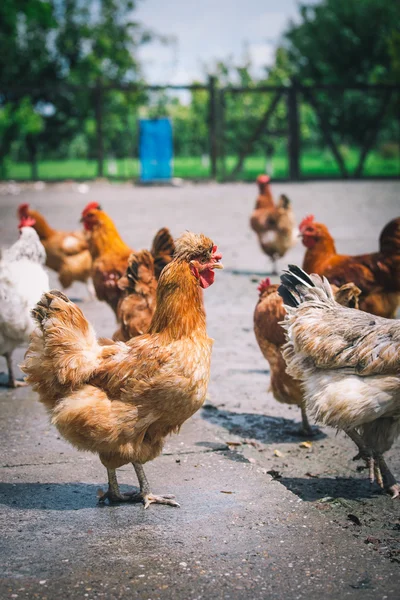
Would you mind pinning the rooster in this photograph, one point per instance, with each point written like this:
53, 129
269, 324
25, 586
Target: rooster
348, 362
273, 223
22, 281
377, 274
110, 254
121, 400
268, 314
66, 252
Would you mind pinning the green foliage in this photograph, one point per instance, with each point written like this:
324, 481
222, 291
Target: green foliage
346, 42
44, 44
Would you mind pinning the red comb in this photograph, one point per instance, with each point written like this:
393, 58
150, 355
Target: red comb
26, 222
308, 220
91, 206
215, 254
264, 285
263, 179
23, 209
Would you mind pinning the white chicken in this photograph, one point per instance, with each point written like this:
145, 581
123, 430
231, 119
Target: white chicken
22, 281
349, 364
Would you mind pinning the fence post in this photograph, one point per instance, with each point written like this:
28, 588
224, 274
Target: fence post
221, 133
294, 133
99, 127
213, 125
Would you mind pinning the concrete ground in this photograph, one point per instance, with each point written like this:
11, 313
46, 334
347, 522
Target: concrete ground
260, 516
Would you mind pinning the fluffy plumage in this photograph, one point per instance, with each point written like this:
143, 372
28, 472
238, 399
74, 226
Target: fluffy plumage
349, 364
268, 315
121, 400
22, 281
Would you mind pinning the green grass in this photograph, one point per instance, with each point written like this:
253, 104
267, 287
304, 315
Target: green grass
314, 163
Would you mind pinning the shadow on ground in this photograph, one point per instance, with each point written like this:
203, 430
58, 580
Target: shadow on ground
264, 428
330, 489
52, 496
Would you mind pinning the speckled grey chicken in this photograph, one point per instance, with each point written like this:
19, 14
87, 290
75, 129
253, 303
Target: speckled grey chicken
349, 364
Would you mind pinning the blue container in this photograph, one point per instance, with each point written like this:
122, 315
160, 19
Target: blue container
155, 149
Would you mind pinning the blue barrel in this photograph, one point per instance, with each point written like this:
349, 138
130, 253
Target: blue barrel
155, 149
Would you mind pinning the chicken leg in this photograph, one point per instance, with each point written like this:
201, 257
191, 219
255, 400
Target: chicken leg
389, 483
12, 382
145, 494
274, 266
305, 429
113, 494
365, 453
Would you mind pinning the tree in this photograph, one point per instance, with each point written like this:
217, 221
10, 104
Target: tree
46, 45
347, 42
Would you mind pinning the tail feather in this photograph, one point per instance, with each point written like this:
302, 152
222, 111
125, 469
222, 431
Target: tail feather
297, 286
162, 250
63, 349
389, 240
389, 244
133, 274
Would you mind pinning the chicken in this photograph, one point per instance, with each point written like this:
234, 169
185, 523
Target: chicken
67, 253
348, 362
121, 400
274, 224
110, 254
135, 310
22, 282
377, 275
268, 314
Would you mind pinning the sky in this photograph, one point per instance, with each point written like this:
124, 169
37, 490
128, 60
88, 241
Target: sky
208, 30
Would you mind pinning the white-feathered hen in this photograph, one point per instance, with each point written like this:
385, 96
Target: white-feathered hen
349, 363
22, 281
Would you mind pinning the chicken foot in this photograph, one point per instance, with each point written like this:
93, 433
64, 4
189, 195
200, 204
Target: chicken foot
113, 494
145, 494
12, 382
389, 482
365, 453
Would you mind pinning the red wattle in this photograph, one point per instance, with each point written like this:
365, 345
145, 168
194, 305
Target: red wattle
207, 278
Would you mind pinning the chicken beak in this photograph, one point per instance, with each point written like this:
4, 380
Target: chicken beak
217, 266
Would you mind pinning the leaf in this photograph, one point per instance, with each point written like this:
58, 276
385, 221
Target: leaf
307, 445
278, 453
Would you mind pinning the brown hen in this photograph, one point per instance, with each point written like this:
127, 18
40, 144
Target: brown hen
274, 223
376, 274
121, 400
67, 253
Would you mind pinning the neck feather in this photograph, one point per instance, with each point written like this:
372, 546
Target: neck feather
179, 312
323, 249
41, 226
105, 238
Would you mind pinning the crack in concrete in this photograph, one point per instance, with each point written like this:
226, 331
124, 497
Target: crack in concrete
66, 462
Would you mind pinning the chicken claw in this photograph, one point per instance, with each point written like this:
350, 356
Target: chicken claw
145, 494
115, 498
164, 499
